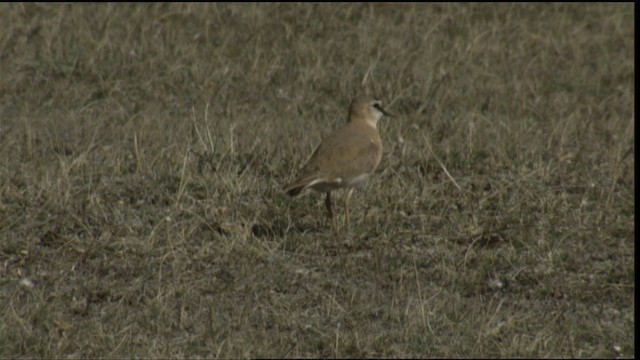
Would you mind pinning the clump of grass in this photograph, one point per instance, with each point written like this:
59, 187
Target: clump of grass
144, 147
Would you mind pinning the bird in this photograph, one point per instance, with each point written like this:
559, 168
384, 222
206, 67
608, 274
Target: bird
346, 158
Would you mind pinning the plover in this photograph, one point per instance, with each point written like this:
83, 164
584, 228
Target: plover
346, 158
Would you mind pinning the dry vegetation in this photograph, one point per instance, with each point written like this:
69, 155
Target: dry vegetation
143, 149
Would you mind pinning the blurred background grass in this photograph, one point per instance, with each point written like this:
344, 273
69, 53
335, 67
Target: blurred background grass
143, 148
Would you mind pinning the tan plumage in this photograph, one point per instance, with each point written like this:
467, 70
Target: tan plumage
347, 157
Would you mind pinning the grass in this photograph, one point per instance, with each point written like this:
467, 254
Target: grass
143, 149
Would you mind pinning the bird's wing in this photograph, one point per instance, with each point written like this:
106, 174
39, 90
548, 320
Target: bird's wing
346, 153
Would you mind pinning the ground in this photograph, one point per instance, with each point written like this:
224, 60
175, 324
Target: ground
143, 150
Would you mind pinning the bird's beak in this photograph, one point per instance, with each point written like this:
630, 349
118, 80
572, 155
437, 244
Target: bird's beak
383, 111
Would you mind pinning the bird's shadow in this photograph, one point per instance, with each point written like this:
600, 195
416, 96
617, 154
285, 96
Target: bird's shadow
282, 226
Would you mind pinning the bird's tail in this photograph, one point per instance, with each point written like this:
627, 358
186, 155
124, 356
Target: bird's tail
296, 187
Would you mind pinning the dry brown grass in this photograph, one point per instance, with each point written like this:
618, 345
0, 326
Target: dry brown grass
143, 149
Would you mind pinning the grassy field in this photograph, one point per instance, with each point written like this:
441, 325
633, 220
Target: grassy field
143, 150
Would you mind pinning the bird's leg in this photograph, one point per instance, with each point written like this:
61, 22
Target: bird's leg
327, 202
346, 209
